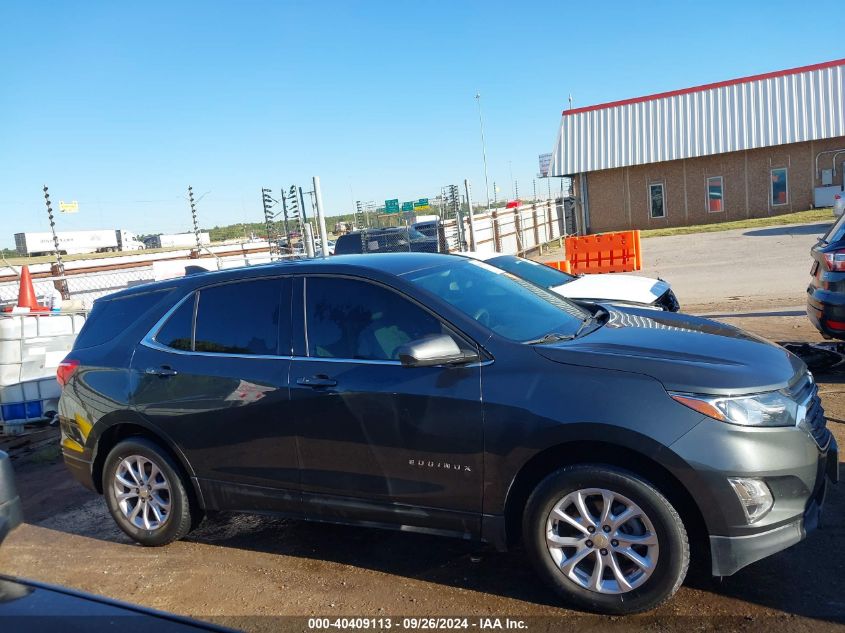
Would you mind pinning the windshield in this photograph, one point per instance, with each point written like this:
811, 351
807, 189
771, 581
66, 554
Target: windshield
511, 307
539, 274
835, 232
416, 235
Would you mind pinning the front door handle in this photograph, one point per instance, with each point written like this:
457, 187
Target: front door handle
162, 371
320, 380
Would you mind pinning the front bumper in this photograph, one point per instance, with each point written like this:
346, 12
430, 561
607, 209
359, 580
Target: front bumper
729, 554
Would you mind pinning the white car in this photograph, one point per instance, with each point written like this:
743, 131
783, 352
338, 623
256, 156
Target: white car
838, 205
607, 288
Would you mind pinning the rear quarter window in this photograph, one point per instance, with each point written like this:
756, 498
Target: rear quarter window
110, 317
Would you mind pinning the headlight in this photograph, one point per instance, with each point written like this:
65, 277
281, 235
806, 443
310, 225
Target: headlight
772, 408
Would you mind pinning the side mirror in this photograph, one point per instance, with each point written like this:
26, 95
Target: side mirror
430, 351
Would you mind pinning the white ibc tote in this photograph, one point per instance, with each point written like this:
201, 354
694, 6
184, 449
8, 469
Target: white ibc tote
31, 347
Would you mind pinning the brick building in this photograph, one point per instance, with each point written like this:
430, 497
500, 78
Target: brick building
750, 147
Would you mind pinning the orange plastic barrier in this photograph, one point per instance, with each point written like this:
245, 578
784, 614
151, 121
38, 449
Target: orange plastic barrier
561, 265
604, 253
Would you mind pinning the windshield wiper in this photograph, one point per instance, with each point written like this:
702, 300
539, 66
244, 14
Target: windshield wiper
551, 337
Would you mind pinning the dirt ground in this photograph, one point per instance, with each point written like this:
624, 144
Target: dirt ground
244, 570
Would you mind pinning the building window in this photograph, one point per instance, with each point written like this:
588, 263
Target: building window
657, 205
780, 186
715, 189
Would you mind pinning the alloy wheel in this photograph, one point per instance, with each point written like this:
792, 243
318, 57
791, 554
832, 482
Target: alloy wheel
142, 492
602, 541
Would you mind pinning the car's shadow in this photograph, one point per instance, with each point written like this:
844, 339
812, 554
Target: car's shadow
801, 229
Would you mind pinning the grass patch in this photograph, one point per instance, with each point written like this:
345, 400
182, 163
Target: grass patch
42, 259
799, 217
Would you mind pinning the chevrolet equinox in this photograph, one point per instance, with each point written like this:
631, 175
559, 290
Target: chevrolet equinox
436, 393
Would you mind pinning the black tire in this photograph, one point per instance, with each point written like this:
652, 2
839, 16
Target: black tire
183, 515
673, 545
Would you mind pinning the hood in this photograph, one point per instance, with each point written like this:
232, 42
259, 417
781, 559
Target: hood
614, 287
683, 352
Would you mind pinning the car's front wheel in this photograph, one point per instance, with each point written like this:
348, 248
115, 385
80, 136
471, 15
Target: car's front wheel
145, 493
605, 539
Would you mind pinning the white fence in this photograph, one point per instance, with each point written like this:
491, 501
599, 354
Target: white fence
511, 231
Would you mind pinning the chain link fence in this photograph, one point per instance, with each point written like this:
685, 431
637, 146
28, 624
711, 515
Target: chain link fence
85, 288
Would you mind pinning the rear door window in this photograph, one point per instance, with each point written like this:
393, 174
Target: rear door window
242, 318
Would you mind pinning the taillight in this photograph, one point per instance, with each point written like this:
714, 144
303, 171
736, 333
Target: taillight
65, 371
835, 261
837, 197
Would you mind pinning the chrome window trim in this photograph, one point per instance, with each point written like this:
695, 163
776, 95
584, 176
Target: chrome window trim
150, 341
361, 361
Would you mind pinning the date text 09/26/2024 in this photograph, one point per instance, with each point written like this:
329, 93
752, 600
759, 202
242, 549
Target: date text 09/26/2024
385, 623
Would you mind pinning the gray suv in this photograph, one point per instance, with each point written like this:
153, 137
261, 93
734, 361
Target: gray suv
435, 393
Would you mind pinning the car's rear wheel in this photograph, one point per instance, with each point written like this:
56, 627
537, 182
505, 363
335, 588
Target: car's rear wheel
146, 494
605, 539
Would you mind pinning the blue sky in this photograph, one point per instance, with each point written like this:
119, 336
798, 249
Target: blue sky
122, 105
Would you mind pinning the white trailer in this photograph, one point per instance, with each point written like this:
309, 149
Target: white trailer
77, 242
178, 240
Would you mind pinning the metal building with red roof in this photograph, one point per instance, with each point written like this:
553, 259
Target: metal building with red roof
754, 146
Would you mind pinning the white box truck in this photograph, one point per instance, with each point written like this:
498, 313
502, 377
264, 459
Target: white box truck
77, 242
177, 240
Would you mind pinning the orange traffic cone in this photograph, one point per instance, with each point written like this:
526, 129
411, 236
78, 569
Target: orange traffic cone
26, 295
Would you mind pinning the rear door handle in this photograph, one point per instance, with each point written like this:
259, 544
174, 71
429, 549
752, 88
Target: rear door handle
162, 371
319, 380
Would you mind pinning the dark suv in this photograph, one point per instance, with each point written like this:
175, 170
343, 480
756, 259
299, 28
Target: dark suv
826, 292
388, 240
437, 393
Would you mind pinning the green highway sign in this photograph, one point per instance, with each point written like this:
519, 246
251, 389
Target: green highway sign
407, 206
391, 206
422, 203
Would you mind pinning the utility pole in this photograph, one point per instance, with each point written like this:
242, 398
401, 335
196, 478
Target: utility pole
513, 182
297, 211
268, 219
194, 218
484, 151
302, 206
60, 267
471, 216
321, 218
495, 197
359, 215
285, 213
